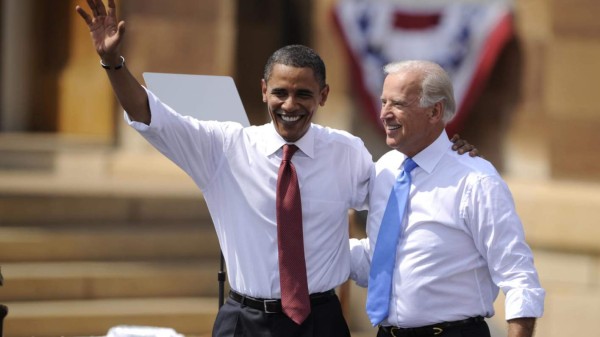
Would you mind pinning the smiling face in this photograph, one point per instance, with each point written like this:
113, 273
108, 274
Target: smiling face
292, 95
409, 127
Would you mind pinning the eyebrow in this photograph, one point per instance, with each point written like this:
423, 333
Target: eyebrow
297, 92
304, 91
395, 100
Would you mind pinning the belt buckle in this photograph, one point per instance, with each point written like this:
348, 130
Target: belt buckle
266, 309
436, 331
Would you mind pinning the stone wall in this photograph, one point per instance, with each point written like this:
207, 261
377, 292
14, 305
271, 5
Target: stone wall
546, 149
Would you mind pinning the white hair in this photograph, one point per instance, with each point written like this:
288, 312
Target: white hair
435, 87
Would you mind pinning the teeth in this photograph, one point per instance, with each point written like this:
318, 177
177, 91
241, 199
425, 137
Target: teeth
393, 127
290, 118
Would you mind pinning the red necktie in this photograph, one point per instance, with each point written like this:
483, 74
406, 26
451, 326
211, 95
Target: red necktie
295, 301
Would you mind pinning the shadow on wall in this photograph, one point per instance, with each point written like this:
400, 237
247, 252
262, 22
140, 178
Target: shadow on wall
491, 114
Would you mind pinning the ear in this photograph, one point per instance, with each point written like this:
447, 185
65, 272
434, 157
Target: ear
437, 112
323, 95
263, 87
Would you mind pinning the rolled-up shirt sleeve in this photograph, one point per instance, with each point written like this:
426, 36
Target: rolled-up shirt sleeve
359, 261
499, 237
156, 120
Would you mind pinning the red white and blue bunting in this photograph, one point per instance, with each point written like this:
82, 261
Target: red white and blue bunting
464, 38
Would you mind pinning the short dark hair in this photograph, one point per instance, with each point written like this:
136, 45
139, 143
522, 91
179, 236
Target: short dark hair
298, 56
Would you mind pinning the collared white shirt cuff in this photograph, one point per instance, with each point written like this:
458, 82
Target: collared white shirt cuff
155, 119
524, 303
359, 262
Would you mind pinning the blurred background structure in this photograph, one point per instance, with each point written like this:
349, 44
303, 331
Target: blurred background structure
97, 229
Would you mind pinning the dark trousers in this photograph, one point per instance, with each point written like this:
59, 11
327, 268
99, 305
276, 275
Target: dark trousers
325, 320
478, 329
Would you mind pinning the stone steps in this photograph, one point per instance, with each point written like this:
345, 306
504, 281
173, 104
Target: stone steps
36, 152
80, 280
83, 254
109, 242
92, 280
45, 208
189, 316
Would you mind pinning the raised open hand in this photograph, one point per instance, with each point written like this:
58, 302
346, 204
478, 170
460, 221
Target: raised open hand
105, 30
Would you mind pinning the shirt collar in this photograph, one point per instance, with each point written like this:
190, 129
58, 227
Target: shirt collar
429, 157
306, 144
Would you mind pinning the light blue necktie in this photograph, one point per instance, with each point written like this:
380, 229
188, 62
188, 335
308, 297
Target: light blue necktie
384, 256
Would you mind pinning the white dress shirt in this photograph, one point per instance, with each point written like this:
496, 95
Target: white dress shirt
236, 169
462, 239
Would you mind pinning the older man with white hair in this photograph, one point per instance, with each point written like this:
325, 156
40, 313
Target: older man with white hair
443, 232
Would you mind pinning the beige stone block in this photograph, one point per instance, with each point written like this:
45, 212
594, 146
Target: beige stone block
532, 19
36, 209
533, 76
95, 280
179, 10
575, 18
189, 46
86, 164
574, 147
526, 145
192, 32
497, 323
188, 316
149, 164
357, 316
84, 99
570, 314
559, 215
173, 209
560, 270
572, 67
108, 243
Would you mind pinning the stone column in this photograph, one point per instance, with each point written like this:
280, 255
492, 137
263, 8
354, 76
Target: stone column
572, 67
17, 73
85, 102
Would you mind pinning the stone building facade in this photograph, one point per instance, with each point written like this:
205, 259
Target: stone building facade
543, 137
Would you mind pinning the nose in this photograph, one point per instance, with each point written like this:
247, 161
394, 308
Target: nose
385, 112
289, 103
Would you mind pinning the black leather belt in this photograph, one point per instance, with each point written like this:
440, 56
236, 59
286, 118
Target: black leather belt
274, 306
429, 330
